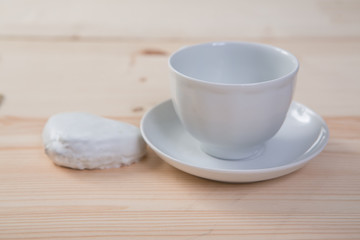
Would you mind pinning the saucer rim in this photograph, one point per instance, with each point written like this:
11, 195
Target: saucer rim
293, 165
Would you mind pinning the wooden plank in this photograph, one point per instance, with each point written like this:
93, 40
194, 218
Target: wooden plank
127, 78
152, 200
185, 19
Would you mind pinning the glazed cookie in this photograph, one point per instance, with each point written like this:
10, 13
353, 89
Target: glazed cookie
85, 141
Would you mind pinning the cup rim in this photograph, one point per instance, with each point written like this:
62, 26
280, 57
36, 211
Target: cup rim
262, 83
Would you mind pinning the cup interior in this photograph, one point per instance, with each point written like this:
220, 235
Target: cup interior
233, 63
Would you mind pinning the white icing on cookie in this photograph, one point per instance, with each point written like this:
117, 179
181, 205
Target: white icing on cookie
85, 141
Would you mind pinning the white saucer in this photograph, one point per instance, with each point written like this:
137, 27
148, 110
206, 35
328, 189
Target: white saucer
303, 135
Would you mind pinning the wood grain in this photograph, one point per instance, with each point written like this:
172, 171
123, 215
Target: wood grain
152, 200
110, 58
161, 19
126, 78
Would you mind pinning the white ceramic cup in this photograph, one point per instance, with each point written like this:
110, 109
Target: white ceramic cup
232, 96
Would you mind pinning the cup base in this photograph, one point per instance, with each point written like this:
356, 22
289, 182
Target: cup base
226, 153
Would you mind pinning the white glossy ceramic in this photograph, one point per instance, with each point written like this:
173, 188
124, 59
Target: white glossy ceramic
232, 97
303, 135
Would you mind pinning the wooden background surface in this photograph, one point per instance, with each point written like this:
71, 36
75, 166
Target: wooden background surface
110, 58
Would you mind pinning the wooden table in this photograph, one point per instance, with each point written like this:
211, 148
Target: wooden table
110, 58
